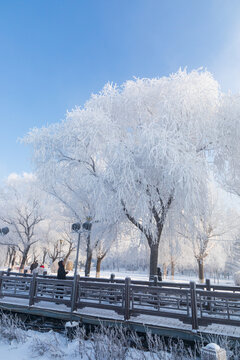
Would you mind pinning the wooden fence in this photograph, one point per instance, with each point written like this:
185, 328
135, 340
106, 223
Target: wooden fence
198, 304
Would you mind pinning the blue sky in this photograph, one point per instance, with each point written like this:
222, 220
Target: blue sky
55, 53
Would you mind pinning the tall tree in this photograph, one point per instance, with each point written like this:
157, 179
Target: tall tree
137, 149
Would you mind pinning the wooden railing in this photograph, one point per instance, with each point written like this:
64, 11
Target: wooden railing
198, 304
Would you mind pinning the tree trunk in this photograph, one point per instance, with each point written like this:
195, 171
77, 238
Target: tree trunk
14, 252
44, 256
7, 261
98, 267
172, 269
89, 258
153, 259
164, 270
88, 262
200, 270
10, 258
24, 257
67, 255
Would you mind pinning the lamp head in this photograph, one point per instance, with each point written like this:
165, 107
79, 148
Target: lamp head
87, 226
76, 227
5, 230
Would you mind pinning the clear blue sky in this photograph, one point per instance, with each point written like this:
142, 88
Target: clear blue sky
55, 53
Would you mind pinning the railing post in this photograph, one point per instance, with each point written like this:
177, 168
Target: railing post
213, 352
151, 278
8, 271
208, 288
45, 273
75, 293
127, 299
111, 295
32, 289
155, 280
1, 280
194, 305
25, 272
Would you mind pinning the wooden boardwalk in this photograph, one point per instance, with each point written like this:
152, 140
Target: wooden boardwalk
168, 309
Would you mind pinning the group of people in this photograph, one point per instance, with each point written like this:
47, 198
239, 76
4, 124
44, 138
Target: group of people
35, 268
61, 274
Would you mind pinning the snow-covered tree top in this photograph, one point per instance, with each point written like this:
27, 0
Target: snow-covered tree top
136, 147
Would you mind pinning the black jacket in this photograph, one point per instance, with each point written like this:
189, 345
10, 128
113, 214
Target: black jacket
61, 274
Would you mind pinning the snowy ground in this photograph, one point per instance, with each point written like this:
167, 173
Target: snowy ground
51, 345
35, 345
19, 344
141, 275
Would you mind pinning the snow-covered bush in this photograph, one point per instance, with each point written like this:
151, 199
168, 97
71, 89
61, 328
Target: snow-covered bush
115, 343
110, 343
161, 349
236, 278
12, 328
50, 345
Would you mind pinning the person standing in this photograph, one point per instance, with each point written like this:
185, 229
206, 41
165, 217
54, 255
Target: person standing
33, 266
61, 275
159, 274
41, 269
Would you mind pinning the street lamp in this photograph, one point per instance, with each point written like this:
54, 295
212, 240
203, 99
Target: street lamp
4, 231
77, 229
60, 250
86, 227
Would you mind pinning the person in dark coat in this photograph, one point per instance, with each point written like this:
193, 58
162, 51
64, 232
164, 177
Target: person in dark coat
61, 275
33, 266
159, 274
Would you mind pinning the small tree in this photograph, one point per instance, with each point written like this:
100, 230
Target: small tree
233, 261
205, 230
20, 209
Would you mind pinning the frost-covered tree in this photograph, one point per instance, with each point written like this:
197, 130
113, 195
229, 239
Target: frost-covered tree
137, 149
74, 185
227, 158
233, 261
104, 236
205, 230
20, 210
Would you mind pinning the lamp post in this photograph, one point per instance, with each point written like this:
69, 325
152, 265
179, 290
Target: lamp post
60, 242
5, 231
87, 226
77, 229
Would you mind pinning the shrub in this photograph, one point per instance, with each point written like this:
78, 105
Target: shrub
12, 328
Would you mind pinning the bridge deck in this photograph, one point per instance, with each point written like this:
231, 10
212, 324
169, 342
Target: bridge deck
165, 326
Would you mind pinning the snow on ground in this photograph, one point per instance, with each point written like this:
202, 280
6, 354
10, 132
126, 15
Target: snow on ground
53, 345
144, 276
